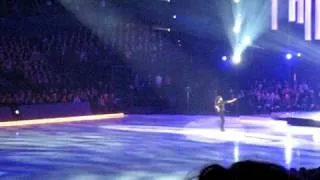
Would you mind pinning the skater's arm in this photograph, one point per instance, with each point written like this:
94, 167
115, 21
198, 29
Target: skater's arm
232, 100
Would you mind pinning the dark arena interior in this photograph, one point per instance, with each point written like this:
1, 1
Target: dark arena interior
159, 89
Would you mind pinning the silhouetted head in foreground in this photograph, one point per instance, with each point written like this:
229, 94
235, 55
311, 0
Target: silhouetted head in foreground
214, 172
257, 170
245, 170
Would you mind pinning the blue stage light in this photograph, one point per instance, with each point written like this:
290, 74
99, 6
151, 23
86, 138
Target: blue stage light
299, 54
224, 58
288, 56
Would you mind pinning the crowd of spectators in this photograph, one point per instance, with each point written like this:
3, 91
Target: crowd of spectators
58, 65
29, 8
85, 45
21, 58
31, 78
270, 96
41, 63
100, 99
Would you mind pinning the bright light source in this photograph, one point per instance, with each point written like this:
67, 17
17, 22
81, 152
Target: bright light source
316, 138
224, 58
237, 25
16, 112
174, 16
299, 54
236, 58
169, 30
236, 1
247, 41
289, 56
237, 28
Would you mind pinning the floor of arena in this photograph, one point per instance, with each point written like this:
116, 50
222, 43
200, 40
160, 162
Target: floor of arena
151, 147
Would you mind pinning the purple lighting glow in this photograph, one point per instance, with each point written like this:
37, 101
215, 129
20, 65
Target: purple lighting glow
274, 12
301, 12
308, 20
317, 21
293, 11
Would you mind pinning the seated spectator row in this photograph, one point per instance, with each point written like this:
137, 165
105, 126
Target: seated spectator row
284, 96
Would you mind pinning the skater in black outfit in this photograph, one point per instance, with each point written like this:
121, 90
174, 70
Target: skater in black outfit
220, 108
